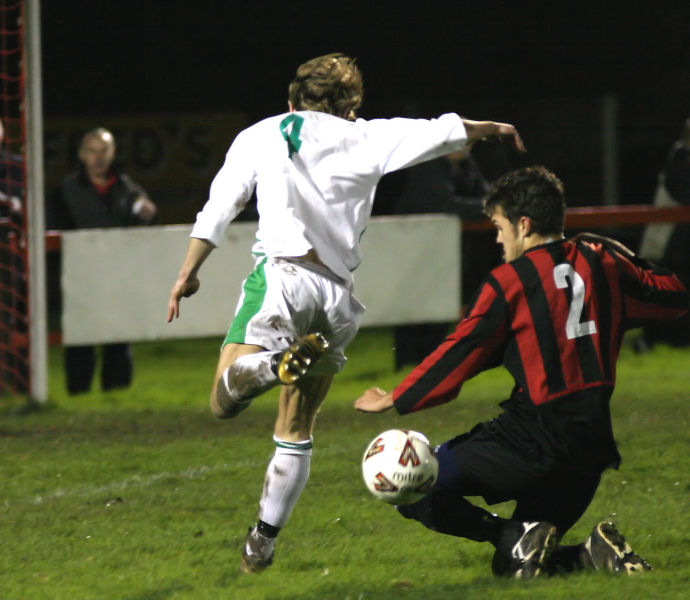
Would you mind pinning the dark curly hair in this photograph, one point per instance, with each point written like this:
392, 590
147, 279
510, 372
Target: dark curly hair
331, 83
533, 192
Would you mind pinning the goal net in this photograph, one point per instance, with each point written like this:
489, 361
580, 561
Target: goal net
14, 305
23, 351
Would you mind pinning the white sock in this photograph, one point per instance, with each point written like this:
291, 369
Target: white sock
250, 376
286, 476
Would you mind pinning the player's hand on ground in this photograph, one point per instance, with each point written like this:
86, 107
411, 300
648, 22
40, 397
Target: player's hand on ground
374, 400
182, 289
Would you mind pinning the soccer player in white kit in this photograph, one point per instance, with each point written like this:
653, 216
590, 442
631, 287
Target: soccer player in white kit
315, 171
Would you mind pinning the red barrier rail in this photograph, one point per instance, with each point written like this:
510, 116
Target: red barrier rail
53, 241
597, 217
578, 217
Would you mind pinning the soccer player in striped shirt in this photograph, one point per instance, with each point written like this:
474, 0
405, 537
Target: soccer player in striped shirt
315, 170
554, 315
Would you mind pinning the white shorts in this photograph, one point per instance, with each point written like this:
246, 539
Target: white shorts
284, 299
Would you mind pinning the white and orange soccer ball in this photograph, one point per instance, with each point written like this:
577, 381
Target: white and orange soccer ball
399, 466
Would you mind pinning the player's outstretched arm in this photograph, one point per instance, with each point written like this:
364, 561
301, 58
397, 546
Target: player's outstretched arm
477, 130
595, 238
187, 282
374, 400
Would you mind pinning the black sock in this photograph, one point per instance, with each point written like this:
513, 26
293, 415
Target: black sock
269, 531
448, 513
566, 559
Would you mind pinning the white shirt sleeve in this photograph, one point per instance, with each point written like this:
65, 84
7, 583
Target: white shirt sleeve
399, 143
231, 189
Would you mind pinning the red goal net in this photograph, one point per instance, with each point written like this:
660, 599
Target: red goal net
14, 318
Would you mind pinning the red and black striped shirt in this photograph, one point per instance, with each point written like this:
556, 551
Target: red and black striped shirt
555, 318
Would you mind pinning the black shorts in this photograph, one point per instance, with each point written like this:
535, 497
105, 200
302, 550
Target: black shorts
545, 487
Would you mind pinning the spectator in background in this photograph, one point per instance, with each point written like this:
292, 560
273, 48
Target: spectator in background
668, 244
449, 184
97, 195
11, 180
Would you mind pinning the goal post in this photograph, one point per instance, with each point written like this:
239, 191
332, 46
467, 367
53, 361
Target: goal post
33, 125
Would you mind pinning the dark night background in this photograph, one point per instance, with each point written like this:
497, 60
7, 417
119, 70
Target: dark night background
543, 66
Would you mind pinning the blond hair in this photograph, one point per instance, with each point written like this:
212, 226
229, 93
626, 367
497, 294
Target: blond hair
331, 83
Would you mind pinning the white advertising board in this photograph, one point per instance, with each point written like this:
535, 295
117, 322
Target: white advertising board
115, 282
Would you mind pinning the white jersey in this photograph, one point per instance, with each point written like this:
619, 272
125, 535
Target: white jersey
315, 176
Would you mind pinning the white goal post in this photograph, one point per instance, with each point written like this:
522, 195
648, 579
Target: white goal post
38, 329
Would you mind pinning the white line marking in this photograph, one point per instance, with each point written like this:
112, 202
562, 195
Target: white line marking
144, 481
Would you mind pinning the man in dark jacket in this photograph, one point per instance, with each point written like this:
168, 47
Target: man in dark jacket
98, 196
668, 244
554, 315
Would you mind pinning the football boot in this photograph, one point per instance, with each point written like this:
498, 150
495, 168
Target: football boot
606, 548
257, 553
296, 361
524, 549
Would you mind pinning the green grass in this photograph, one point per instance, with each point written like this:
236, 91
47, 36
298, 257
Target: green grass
142, 495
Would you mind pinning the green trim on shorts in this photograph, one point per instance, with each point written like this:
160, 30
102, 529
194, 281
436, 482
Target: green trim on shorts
254, 294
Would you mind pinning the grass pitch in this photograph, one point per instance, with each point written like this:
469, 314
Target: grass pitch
142, 495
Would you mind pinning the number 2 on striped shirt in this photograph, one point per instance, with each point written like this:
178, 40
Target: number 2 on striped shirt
565, 276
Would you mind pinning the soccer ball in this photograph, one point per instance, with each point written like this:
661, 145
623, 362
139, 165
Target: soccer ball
399, 466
